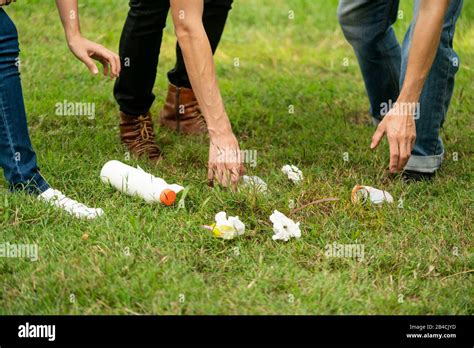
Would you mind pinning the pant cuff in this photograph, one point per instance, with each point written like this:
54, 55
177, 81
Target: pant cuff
35, 186
421, 164
425, 164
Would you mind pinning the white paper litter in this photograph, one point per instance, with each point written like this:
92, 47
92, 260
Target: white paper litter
227, 228
135, 181
376, 196
79, 210
255, 182
283, 227
293, 173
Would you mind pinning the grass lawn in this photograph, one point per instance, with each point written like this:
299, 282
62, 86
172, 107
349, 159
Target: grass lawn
153, 259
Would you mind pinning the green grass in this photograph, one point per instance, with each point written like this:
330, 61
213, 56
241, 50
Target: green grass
410, 252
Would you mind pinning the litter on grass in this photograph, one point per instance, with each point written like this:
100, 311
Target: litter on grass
137, 182
255, 182
227, 228
362, 194
283, 227
293, 173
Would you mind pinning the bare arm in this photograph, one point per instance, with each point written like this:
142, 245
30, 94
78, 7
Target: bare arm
398, 124
224, 154
82, 48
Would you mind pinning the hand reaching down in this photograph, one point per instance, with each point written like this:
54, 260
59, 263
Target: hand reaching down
399, 126
225, 162
86, 51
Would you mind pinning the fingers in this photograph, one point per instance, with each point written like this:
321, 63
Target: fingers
225, 161
394, 154
405, 152
105, 64
118, 64
235, 174
227, 176
223, 175
90, 64
242, 170
114, 62
219, 173
210, 175
378, 135
407, 146
109, 60
111, 63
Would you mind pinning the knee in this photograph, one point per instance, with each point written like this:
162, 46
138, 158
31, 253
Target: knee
350, 24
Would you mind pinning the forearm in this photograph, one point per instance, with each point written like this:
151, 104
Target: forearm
425, 41
202, 75
69, 13
200, 66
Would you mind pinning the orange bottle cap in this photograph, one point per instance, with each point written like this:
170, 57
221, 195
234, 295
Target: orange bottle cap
168, 197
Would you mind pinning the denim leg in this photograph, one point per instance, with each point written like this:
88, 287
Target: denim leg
214, 20
140, 46
367, 25
428, 151
17, 157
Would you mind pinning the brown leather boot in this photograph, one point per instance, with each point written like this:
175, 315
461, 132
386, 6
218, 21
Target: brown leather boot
181, 112
138, 135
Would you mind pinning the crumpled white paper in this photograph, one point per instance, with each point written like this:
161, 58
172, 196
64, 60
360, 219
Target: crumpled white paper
376, 196
227, 228
283, 227
255, 182
293, 173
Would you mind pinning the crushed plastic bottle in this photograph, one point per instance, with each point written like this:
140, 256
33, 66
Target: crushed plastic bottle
363, 194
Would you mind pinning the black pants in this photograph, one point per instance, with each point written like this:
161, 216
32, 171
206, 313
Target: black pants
140, 46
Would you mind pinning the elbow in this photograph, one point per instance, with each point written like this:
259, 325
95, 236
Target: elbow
186, 30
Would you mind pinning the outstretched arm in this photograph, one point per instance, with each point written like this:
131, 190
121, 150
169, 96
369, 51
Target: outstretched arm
82, 48
224, 154
398, 124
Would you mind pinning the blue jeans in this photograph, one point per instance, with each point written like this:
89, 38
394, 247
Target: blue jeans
17, 157
367, 25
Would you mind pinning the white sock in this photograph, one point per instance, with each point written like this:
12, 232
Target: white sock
79, 210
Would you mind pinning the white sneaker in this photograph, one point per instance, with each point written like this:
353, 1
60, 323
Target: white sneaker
79, 210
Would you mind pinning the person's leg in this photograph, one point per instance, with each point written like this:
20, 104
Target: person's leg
140, 46
367, 25
181, 111
428, 151
17, 157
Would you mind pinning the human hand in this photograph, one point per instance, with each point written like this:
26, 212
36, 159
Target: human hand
225, 162
86, 51
400, 128
6, 2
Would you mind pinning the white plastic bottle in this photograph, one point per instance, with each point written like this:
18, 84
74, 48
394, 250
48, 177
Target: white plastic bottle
136, 182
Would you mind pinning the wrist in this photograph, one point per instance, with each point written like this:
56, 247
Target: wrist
72, 37
220, 127
220, 131
411, 90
